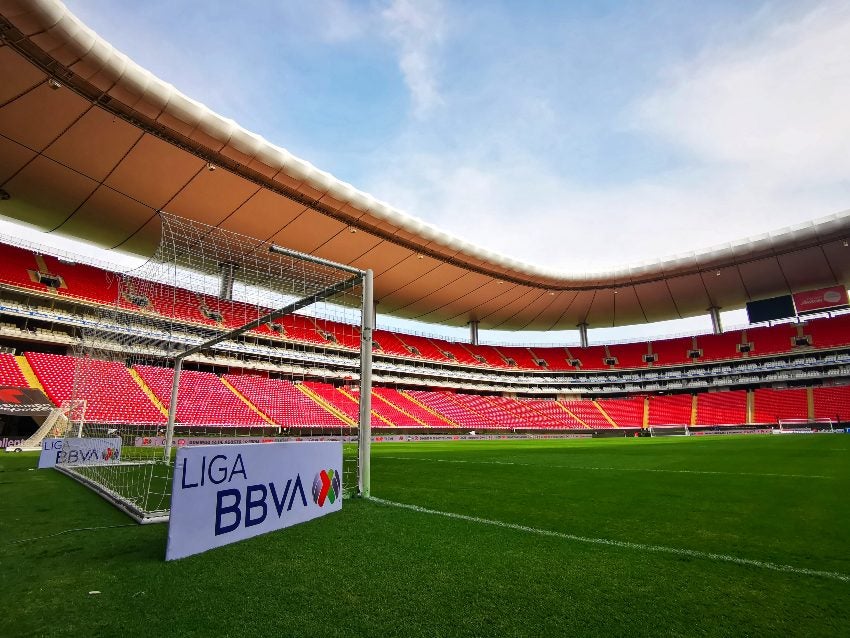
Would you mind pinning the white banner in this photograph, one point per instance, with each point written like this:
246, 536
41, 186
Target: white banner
79, 451
229, 493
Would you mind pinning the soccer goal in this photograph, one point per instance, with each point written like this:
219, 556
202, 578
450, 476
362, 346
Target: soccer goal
219, 338
805, 426
669, 430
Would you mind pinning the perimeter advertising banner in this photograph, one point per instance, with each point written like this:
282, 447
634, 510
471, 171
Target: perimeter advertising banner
822, 299
23, 401
228, 493
80, 451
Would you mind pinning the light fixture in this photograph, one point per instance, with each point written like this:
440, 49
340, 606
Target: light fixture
552, 293
420, 256
616, 291
53, 83
717, 274
352, 229
846, 244
210, 167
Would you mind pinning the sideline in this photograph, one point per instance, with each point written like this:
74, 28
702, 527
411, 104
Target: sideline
641, 547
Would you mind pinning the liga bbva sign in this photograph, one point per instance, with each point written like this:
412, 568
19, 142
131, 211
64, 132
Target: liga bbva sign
227, 493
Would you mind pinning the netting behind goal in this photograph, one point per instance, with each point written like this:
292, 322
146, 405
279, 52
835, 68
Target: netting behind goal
242, 326
669, 430
791, 425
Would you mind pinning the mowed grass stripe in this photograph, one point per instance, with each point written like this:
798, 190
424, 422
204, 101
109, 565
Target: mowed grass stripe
678, 551
609, 469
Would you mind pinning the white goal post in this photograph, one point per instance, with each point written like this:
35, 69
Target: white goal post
797, 425
669, 430
220, 337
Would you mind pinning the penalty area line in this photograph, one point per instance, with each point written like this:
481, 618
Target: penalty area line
640, 547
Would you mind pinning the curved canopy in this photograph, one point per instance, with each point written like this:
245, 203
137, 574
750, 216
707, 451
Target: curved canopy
92, 146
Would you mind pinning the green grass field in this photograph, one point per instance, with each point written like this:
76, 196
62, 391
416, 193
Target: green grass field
725, 536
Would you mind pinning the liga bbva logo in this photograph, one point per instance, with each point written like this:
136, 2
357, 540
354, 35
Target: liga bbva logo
326, 487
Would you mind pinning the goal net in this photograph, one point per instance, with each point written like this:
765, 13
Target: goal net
219, 338
806, 425
669, 430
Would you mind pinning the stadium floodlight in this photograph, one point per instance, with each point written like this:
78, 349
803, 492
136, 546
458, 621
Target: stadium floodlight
219, 337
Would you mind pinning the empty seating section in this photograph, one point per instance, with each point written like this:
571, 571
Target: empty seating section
444, 403
390, 344
202, 398
399, 399
490, 355
111, 394
348, 405
283, 402
523, 415
771, 405
672, 351
829, 333
626, 413
674, 409
722, 408
521, 355
15, 266
629, 355
92, 284
722, 346
587, 412
344, 334
554, 412
592, 357
457, 350
833, 403
773, 339
493, 415
83, 281
392, 415
426, 348
10, 372
555, 358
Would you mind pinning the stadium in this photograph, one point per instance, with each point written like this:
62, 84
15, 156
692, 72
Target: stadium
692, 484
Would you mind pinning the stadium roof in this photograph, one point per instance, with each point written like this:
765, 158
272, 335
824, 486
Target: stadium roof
92, 146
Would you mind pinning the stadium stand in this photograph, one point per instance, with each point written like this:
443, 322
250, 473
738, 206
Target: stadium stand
554, 413
772, 339
555, 358
587, 413
319, 404
670, 352
832, 403
721, 408
204, 399
444, 403
10, 372
112, 396
343, 401
828, 333
720, 347
672, 409
283, 402
771, 404
629, 355
625, 413
403, 401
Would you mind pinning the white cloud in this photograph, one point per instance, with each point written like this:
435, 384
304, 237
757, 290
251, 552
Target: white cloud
763, 125
416, 27
779, 104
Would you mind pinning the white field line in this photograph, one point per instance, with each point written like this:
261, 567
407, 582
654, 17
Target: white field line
640, 547
609, 469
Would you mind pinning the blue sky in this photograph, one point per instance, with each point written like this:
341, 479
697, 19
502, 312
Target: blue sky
582, 135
